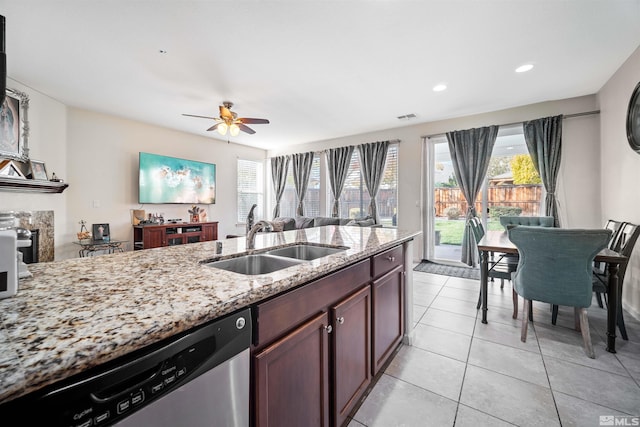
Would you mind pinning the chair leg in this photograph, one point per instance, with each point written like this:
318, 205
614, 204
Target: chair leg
531, 310
554, 314
576, 319
525, 321
599, 299
501, 283
514, 296
586, 336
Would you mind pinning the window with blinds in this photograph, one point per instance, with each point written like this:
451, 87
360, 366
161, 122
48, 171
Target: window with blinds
250, 189
354, 200
289, 201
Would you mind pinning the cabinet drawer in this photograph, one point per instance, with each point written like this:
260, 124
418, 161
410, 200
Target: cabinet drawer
387, 261
279, 315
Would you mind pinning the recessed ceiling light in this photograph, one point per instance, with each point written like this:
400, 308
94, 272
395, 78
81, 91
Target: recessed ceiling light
439, 88
524, 68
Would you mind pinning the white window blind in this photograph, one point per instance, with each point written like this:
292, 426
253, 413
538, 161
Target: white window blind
354, 200
250, 189
289, 201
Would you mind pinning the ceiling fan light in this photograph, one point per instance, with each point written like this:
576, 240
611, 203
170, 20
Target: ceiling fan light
234, 129
222, 128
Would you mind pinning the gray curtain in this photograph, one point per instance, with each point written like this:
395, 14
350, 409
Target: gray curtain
544, 141
338, 160
279, 167
372, 159
470, 154
301, 170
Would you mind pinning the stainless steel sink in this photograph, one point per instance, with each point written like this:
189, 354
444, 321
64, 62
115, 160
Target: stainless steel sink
254, 264
305, 252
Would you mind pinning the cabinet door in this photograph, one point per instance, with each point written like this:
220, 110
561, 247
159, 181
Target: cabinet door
352, 352
388, 315
292, 378
153, 237
210, 232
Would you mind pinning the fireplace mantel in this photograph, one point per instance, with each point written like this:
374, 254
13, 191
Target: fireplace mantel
31, 185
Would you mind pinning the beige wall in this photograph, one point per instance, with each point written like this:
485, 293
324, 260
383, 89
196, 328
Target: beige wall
579, 174
104, 171
620, 167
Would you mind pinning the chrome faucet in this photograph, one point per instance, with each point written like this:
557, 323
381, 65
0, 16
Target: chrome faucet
251, 236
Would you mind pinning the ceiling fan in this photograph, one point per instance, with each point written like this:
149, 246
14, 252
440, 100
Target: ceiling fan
229, 121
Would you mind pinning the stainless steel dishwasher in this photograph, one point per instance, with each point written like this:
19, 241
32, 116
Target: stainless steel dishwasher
200, 378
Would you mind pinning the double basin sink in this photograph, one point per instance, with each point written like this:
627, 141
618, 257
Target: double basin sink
275, 259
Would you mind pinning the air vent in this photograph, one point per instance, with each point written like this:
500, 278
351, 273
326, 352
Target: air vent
407, 117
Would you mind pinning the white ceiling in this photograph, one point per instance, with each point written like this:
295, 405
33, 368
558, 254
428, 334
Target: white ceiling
316, 69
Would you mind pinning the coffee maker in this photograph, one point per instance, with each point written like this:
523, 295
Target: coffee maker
12, 268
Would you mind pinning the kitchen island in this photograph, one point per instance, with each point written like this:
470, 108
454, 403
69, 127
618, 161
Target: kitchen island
76, 314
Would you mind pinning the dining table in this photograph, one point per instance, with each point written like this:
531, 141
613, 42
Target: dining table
496, 241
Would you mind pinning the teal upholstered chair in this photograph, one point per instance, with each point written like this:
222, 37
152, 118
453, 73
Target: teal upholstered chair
555, 266
532, 221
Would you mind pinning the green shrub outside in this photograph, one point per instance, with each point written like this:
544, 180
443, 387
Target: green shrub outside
496, 212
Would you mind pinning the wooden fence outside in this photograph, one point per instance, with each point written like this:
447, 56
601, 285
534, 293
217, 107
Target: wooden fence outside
527, 197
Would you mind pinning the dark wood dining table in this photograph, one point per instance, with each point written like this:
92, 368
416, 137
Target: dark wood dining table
498, 241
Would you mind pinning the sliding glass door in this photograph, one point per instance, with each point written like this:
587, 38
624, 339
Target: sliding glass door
512, 187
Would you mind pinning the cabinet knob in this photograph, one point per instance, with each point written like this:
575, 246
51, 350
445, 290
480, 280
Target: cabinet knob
391, 258
340, 320
329, 328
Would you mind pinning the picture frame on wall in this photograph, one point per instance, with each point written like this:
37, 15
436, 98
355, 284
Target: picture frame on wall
14, 125
38, 170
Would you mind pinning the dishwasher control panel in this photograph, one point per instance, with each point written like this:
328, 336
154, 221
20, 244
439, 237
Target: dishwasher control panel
106, 395
105, 406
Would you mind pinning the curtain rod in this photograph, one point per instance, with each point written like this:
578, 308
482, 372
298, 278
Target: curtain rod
568, 116
391, 141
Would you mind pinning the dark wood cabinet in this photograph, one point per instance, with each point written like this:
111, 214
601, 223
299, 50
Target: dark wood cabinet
158, 235
292, 377
388, 315
351, 340
356, 314
387, 294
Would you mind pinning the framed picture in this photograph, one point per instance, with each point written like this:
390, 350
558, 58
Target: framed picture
38, 171
10, 169
100, 231
14, 126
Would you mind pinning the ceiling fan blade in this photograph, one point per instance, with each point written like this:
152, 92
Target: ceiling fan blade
202, 117
249, 120
214, 127
225, 113
246, 129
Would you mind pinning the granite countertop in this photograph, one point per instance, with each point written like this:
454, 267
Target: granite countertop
75, 314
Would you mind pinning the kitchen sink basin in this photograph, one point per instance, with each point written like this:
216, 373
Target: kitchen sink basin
305, 252
254, 264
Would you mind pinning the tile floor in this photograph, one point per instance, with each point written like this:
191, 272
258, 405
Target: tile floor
460, 372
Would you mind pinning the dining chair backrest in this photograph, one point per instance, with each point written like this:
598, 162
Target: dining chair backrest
476, 228
615, 227
533, 221
627, 236
555, 263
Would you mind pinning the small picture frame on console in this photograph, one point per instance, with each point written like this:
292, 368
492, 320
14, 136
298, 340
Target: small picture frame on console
38, 170
100, 232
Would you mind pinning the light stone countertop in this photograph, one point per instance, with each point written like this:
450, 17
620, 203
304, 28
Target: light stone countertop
75, 314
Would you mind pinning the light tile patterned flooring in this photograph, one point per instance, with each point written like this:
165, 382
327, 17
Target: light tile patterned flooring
460, 372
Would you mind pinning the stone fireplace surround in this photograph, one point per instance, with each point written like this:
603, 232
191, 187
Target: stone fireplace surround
44, 222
